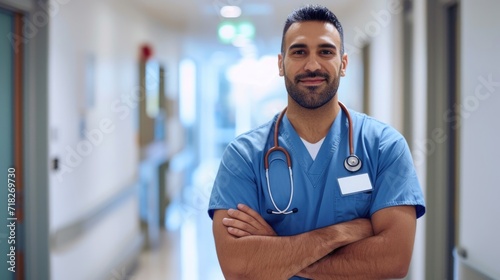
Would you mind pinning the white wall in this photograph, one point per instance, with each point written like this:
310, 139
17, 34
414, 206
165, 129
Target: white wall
378, 23
480, 134
419, 103
100, 41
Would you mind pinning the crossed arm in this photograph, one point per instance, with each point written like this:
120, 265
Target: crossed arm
248, 248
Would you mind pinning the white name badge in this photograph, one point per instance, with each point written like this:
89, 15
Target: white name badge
355, 184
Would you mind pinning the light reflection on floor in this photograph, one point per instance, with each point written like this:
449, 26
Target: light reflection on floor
186, 250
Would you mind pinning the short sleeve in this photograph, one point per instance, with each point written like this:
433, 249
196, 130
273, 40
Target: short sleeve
396, 181
235, 181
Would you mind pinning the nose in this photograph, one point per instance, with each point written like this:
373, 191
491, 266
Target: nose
312, 64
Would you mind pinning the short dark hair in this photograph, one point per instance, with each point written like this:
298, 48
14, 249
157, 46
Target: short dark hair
313, 13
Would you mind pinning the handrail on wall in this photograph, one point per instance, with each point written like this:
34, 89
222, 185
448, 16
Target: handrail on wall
466, 270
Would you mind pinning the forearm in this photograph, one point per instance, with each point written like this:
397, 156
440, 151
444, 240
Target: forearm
386, 255
370, 258
273, 257
270, 257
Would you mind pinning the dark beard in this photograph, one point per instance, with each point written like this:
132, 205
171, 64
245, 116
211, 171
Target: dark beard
310, 98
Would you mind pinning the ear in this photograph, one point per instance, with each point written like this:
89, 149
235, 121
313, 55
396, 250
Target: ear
280, 65
343, 66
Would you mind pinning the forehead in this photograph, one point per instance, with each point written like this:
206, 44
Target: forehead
312, 33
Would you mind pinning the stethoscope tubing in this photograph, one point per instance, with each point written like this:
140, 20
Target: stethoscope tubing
349, 121
284, 211
352, 163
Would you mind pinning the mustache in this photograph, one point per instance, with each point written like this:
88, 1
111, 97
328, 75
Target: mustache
312, 75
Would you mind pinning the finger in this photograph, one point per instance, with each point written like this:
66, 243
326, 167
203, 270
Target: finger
228, 222
262, 224
249, 211
237, 232
249, 223
244, 217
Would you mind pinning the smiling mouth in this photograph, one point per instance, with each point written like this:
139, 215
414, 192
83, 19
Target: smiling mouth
312, 81
312, 78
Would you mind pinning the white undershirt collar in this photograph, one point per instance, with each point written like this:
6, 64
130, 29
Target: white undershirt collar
313, 148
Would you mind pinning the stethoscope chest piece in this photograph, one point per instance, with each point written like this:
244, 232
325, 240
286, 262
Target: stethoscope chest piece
352, 163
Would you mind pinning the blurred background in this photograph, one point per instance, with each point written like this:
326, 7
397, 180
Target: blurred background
114, 115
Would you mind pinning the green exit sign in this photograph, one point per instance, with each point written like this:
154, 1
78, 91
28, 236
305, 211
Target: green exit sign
230, 31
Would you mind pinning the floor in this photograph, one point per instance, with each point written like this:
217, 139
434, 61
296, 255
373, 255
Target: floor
186, 248
160, 263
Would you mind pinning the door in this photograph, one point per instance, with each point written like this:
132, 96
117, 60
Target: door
6, 144
11, 145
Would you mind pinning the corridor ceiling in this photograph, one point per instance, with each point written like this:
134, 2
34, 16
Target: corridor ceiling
201, 17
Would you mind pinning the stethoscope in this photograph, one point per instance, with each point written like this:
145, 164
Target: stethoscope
352, 163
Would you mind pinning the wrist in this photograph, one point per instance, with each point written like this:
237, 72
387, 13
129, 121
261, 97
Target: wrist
355, 230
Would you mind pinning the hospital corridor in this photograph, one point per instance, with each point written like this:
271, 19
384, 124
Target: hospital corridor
115, 114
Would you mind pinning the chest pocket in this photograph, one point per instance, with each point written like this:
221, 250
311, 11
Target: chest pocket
352, 206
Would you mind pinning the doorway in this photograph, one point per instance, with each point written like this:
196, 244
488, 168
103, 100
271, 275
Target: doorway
443, 68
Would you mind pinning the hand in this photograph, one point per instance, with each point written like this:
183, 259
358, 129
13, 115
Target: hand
245, 222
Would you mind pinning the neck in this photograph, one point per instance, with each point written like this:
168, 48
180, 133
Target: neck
312, 125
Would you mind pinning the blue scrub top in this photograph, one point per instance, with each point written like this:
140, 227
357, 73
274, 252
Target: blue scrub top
385, 158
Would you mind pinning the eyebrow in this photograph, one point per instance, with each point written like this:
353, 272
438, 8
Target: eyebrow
302, 46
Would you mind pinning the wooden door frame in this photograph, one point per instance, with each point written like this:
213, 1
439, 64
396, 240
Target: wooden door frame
31, 139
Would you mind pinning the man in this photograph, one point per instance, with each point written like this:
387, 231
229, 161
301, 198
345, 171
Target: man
324, 221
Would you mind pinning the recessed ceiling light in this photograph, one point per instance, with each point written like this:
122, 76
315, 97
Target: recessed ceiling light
230, 11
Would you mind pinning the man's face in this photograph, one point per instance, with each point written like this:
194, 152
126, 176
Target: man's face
312, 63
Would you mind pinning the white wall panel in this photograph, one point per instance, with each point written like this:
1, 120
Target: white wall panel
480, 134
